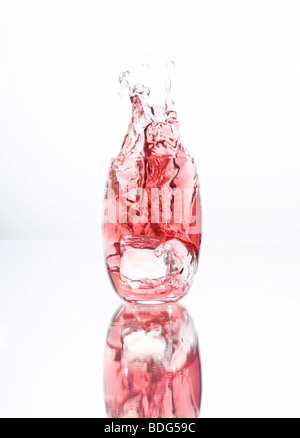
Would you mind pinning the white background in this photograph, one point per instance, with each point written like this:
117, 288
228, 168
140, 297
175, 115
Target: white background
237, 92
236, 86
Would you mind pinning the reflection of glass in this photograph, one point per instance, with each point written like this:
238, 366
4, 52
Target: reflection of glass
152, 363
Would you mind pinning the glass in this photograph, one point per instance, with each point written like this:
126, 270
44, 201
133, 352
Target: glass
152, 227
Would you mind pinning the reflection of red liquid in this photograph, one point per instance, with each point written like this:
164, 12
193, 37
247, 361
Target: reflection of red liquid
152, 229
152, 364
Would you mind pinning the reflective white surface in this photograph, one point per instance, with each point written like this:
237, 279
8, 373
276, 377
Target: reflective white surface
56, 303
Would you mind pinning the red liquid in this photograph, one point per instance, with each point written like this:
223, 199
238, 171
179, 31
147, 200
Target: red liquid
152, 228
152, 364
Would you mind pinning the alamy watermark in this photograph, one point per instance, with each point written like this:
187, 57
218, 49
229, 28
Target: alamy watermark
154, 205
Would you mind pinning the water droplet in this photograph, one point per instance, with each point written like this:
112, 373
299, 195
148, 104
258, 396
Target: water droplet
168, 85
124, 82
170, 66
120, 94
146, 66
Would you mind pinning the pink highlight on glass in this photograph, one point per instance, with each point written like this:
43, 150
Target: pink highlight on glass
152, 219
152, 363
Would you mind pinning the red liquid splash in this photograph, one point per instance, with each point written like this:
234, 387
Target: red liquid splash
152, 364
152, 228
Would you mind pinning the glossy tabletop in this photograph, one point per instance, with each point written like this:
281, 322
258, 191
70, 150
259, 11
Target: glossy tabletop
57, 303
